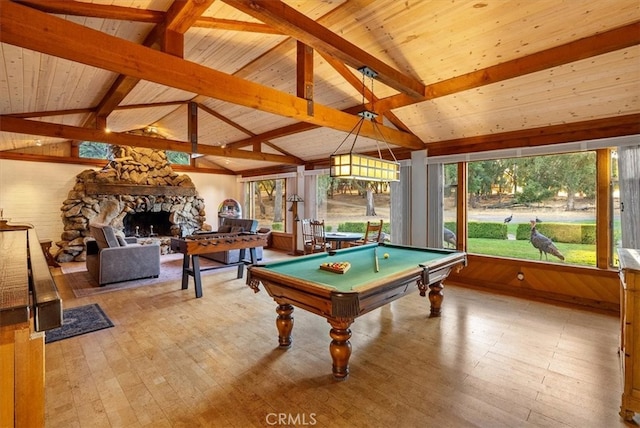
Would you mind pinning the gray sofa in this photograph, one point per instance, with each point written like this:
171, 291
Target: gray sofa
234, 225
112, 258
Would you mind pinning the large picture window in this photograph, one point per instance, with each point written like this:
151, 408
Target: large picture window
556, 192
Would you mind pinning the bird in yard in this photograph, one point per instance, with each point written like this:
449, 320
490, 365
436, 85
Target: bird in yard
543, 244
538, 220
449, 237
508, 219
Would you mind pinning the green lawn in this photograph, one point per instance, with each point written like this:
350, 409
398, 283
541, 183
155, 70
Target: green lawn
578, 254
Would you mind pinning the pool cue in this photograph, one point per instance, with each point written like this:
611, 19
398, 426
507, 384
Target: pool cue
375, 257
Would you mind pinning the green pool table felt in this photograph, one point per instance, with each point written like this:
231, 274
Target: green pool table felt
362, 272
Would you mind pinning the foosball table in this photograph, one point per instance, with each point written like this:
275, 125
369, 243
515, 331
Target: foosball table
196, 245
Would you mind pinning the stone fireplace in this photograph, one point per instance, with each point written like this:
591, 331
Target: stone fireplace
135, 192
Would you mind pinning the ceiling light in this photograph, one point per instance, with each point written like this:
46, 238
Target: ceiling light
362, 167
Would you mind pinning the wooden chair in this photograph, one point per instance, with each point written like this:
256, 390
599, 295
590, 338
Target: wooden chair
313, 236
372, 234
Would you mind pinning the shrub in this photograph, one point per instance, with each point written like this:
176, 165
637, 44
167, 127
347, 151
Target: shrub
277, 226
360, 227
487, 230
570, 233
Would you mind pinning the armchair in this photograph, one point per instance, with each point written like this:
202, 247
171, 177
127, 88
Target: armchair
112, 258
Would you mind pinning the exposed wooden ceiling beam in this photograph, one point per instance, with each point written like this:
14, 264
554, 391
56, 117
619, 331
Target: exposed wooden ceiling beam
12, 155
230, 25
295, 24
28, 28
77, 8
181, 15
555, 134
587, 47
31, 127
94, 10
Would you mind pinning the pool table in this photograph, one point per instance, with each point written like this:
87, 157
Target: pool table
378, 274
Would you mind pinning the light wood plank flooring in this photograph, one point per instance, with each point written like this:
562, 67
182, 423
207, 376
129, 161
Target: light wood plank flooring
176, 361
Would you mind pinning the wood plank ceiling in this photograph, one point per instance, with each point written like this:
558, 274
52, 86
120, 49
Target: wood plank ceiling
266, 85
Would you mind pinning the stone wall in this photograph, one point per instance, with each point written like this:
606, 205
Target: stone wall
150, 184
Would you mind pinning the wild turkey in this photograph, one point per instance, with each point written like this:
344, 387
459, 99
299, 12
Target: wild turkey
508, 219
449, 237
543, 244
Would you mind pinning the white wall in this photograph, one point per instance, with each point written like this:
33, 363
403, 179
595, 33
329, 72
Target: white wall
214, 189
33, 192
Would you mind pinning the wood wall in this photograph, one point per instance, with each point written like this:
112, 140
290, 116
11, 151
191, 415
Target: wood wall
596, 288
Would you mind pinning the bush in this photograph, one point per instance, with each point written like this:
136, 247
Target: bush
277, 226
360, 227
487, 230
561, 232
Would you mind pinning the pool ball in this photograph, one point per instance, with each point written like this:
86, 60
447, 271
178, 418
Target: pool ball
386, 255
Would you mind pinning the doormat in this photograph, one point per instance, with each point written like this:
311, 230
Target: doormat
77, 321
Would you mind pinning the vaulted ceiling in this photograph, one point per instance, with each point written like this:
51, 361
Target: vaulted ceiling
265, 85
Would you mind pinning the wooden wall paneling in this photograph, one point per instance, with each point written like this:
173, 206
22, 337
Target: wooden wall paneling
281, 241
575, 284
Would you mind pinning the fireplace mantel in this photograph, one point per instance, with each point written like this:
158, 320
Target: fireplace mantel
138, 189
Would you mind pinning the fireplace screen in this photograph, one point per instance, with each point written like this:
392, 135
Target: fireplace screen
147, 224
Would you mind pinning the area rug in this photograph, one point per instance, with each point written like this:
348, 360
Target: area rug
77, 321
82, 283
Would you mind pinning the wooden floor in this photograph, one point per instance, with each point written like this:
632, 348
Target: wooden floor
176, 361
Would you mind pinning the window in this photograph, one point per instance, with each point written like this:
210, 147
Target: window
616, 238
558, 192
346, 205
266, 203
450, 204
89, 149
178, 158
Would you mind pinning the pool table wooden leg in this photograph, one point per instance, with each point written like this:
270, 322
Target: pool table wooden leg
340, 347
435, 298
284, 322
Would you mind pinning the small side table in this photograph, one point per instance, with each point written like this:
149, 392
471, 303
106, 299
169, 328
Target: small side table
46, 246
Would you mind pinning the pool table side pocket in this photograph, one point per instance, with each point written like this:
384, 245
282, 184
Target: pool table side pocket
345, 305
